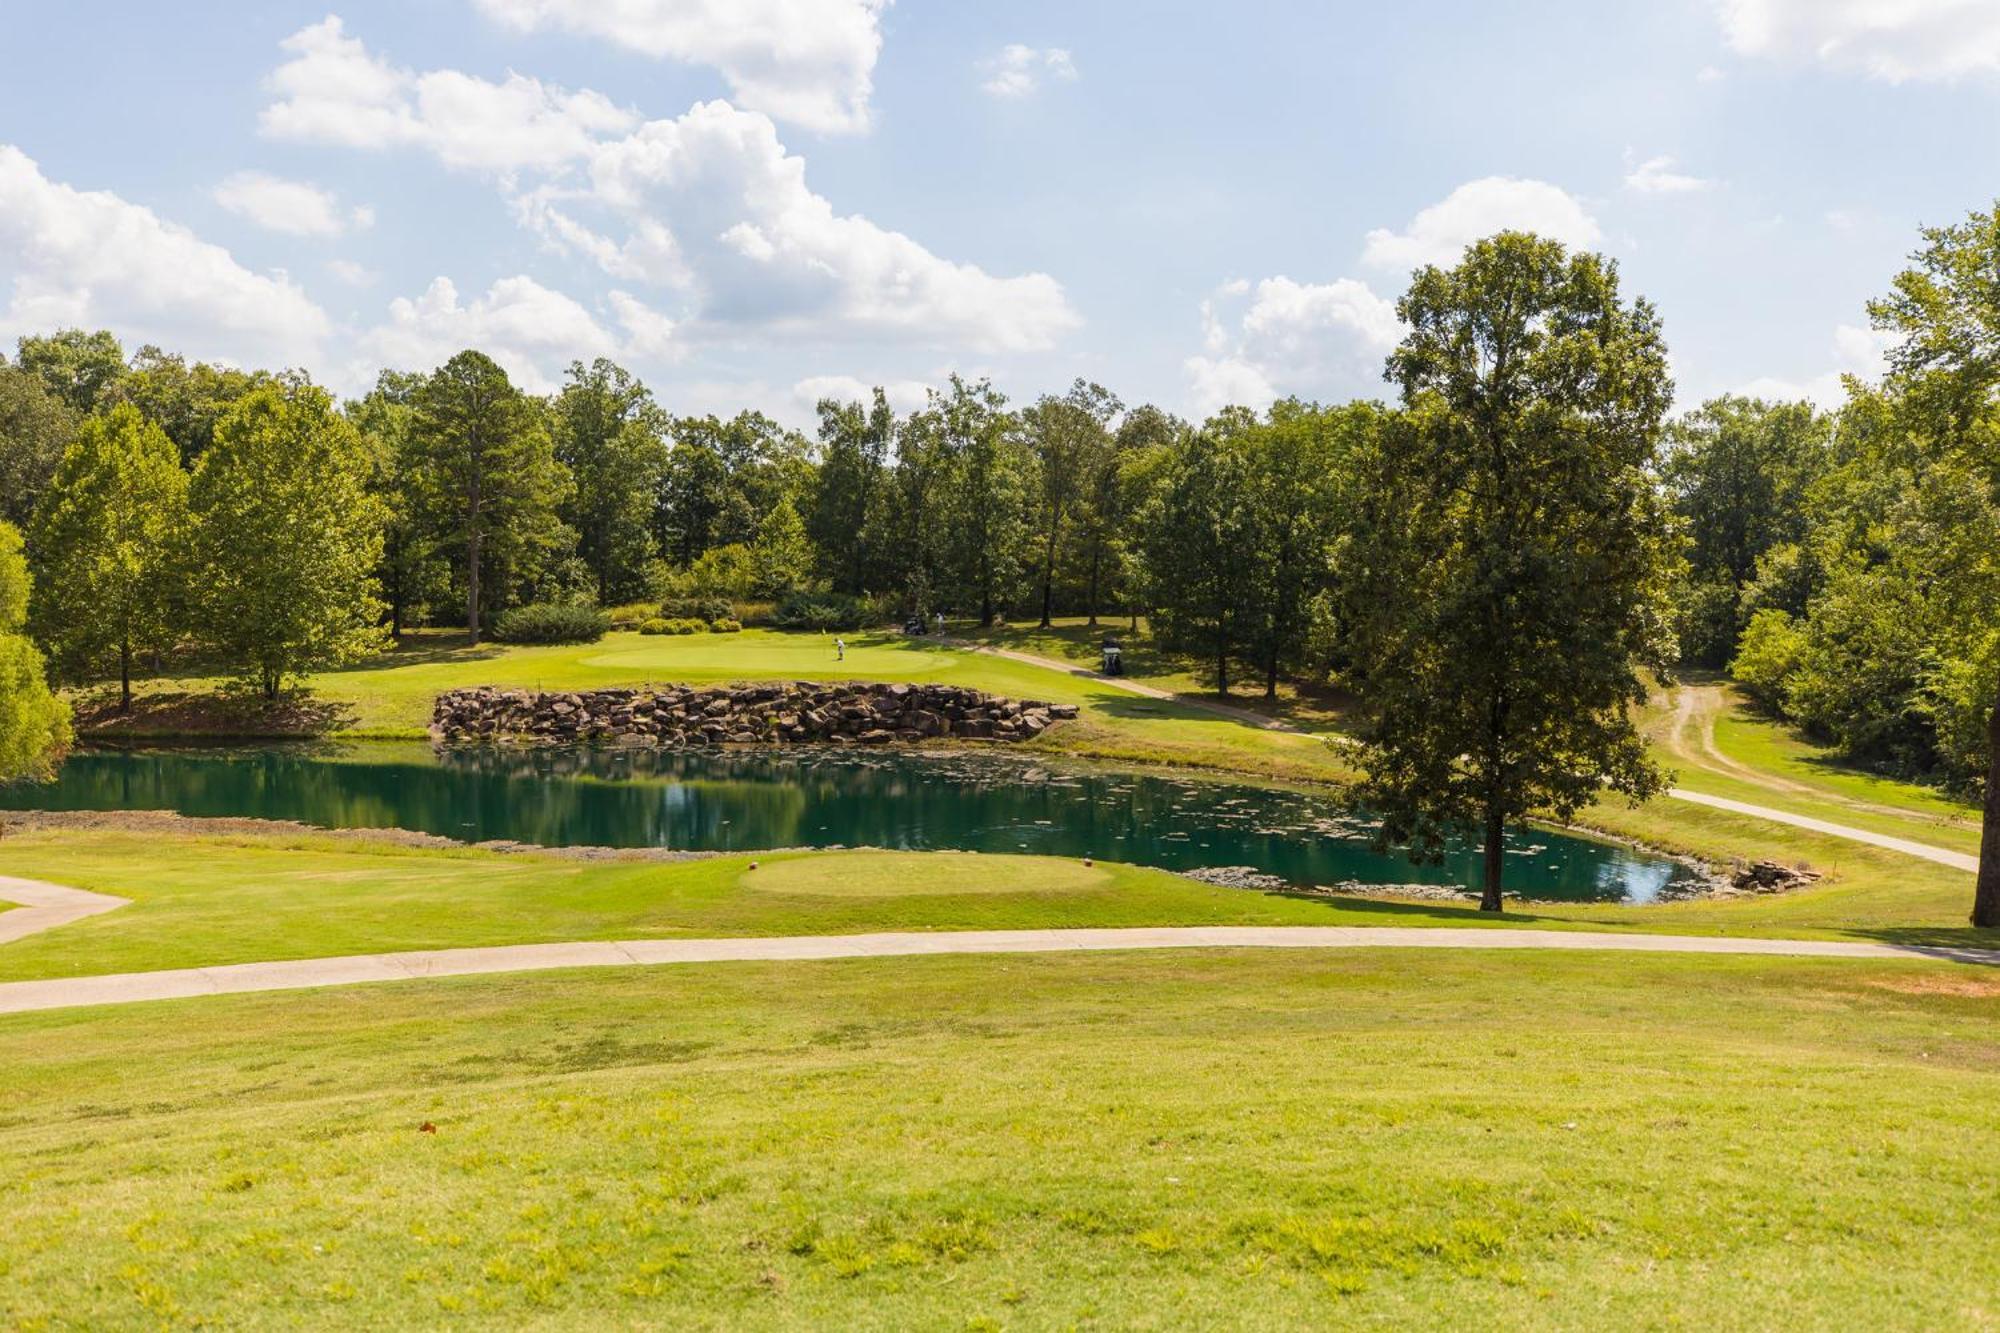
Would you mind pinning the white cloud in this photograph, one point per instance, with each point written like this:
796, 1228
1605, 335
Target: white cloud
1477, 209
293, 207
903, 395
710, 206
762, 249
808, 62
1857, 351
649, 334
334, 91
531, 331
1709, 74
1893, 40
1656, 175
1019, 70
90, 258
351, 273
1293, 337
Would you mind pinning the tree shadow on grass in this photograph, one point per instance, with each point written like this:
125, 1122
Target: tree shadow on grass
1963, 944
428, 650
1404, 911
222, 715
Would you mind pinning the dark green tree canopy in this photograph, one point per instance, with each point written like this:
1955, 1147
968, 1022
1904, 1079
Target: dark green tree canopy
1518, 581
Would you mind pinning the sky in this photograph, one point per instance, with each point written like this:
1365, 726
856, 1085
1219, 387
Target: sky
755, 203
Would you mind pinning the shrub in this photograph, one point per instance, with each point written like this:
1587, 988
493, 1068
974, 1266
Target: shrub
686, 625
754, 613
633, 614
726, 626
653, 626
820, 610
552, 622
696, 608
1768, 657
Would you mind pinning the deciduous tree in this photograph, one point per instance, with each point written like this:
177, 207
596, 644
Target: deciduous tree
107, 543
34, 723
1518, 577
286, 537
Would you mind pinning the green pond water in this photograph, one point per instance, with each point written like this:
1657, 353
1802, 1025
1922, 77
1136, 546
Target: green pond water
742, 801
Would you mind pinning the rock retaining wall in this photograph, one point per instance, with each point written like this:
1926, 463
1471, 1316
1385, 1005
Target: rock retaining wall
801, 713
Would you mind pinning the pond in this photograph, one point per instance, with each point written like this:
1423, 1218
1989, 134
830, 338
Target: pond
727, 800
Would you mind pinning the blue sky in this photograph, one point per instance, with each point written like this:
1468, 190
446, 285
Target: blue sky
752, 202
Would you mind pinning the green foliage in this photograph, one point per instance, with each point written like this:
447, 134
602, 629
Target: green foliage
654, 625
1197, 533
35, 428
611, 436
1518, 556
849, 510
982, 533
1767, 657
721, 573
108, 543
720, 477
488, 479
34, 723
725, 626
552, 622
1071, 439
78, 368
286, 537
185, 401
782, 558
820, 611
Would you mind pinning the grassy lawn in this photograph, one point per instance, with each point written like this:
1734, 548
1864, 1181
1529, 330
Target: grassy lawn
1208, 1140
201, 900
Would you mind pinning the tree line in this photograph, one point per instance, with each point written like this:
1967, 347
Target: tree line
1491, 562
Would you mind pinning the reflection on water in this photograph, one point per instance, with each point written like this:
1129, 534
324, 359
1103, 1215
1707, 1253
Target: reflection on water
743, 800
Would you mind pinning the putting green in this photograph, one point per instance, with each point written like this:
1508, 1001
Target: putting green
937, 874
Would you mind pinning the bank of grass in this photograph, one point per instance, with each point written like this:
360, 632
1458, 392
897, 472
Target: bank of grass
390, 697
201, 900
1219, 1139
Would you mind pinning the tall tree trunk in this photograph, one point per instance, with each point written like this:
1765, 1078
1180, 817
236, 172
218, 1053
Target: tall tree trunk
1986, 897
1496, 829
1271, 676
1096, 572
1049, 578
472, 587
125, 675
1222, 672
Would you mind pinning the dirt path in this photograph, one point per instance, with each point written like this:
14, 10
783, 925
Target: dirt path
1691, 738
189, 983
46, 906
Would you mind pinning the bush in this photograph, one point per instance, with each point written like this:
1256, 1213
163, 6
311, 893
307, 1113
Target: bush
686, 625
1767, 657
696, 608
820, 610
633, 614
552, 622
754, 613
726, 626
653, 626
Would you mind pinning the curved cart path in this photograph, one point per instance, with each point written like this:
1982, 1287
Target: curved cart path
1942, 855
186, 983
46, 906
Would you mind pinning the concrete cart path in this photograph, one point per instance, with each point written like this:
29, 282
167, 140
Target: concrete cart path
1942, 855
46, 906
186, 983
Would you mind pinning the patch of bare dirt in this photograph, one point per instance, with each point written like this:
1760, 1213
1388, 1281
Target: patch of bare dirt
1969, 988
